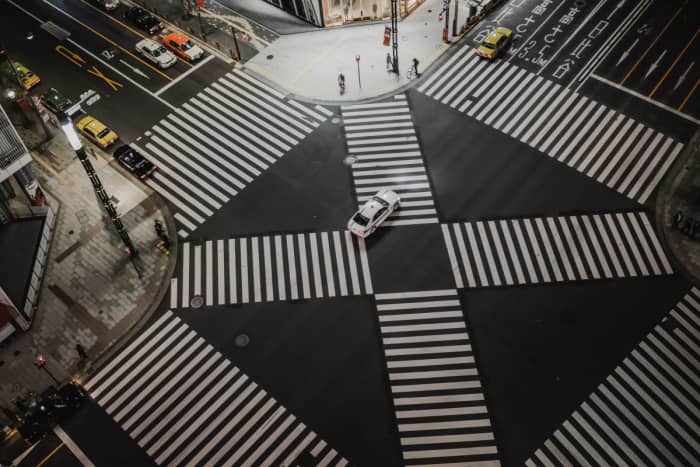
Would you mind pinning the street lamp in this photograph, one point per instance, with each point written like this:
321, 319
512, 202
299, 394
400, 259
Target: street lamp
77, 145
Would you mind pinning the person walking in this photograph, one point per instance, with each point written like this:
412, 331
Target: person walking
415, 66
341, 83
388, 62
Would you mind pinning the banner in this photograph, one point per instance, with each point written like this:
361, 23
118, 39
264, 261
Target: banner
387, 35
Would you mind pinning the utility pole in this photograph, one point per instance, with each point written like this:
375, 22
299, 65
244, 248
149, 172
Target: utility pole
446, 29
235, 43
454, 21
77, 145
395, 36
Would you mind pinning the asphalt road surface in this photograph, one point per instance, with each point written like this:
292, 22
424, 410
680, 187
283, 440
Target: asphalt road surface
477, 325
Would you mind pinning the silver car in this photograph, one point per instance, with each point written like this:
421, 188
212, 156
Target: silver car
156, 53
373, 213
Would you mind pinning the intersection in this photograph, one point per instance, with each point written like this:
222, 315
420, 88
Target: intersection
521, 292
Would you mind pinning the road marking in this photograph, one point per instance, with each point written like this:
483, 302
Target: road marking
134, 69
652, 101
50, 455
70, 55
536, 31
682, 77
114, 84
183, 75
106, 39
626, 53
655, 65
70, 444
71, 41
685, 101
651, 46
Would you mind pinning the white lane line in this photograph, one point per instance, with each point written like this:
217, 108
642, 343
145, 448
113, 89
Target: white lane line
279, 261
365, 266
244, 270
269, 291
198, 270
232, 283
318, 285
255, 259
327, 263
173, 293
293, 285
209, 273
220, 280
303, 266
182, 76
352, 264
452, 257
70, 444
185, 275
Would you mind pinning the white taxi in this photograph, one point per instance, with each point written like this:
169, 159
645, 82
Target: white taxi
373, 213
156, 53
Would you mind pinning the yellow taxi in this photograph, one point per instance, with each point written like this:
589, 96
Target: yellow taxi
27, 78
494, 43
96, 131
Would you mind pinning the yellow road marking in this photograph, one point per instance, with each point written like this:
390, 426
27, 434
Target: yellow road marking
685, 101
114, 84
663, 78
46, 459
111, 42
70, 55
634, 67
128, 27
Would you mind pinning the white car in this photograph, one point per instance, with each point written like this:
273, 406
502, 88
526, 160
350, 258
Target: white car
373, 213
156, 53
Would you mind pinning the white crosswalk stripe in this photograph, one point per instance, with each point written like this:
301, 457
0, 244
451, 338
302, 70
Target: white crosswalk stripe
382, 139
219, 141
439, 403
554, 249
647, 411
268, 268
564, 125
193, 406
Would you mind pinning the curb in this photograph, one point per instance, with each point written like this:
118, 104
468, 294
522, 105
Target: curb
670, 184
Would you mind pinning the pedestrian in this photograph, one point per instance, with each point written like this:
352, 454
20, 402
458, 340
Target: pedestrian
415, 66
341, 83
388, 62
81, 351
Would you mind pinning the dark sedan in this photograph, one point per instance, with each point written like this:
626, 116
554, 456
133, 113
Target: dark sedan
134, 162
55, 101
143, 20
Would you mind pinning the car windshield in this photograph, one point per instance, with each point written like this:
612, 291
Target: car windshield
103, 133
186, 45
488, 45
360, 219
159, 50
379, 200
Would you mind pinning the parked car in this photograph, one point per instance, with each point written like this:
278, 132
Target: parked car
143, 20
156, 53
96, 131
55, 101
373, 213
495, 43
27, 78
134, 162
108, 5
183, 46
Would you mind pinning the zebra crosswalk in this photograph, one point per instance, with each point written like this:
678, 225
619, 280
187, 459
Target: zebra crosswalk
185, 404
272, 267
647, 411
439, 403
218, 142
554, 249
605, 145
382, 140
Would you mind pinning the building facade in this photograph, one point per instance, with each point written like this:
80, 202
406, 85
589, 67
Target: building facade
326, 13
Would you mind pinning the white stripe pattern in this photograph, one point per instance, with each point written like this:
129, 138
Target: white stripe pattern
382, 139
565, 125
439, 403
647, 409
215, 144
268, 268
554, 249
193, 406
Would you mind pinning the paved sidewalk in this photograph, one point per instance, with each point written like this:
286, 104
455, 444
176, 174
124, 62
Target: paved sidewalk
91, 294
681, 192
307, 64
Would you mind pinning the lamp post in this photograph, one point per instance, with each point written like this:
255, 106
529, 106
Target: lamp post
77, 145
3, 51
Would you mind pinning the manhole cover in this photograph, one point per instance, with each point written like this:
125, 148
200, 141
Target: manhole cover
580, 3
335, 120
350, 160
197, 301
241, 341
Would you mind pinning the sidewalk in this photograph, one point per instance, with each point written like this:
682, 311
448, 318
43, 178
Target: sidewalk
90, 294
307, 64
681, 192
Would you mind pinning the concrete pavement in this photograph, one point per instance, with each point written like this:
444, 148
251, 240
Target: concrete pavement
90, 294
